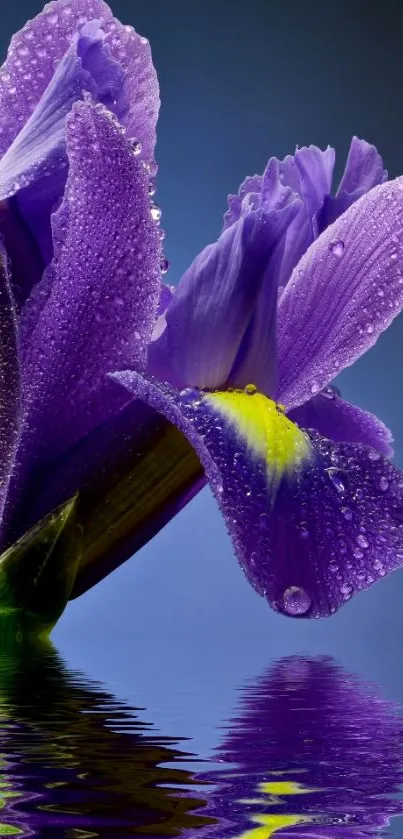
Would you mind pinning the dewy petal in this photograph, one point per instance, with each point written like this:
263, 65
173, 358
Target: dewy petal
34, 51
40, 148
312, 521
342, 422
95, 306
364, 170
33, 171
9, 382
212, 335
345, 291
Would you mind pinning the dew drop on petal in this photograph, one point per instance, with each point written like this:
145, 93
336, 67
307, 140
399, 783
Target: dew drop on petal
337, 248
250, 389
136, 146
338, 478
164, 265
383, 484
155, 211
296, 601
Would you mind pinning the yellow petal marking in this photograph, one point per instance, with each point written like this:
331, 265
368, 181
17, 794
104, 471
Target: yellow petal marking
266, 429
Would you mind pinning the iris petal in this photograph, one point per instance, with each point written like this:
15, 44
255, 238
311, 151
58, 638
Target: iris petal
207, 341
312, 521
343, 422
10, 396
34, 51
96, 302
364, 170
344, 292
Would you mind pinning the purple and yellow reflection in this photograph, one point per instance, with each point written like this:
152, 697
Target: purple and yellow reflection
312, 752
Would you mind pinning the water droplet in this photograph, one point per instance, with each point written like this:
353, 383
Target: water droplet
374, 455
303, 530
296, 601
346, 589
188, 394
136, 146
337, 248
347, 513
250, 389
253, 559
151, 187
263, 521
383, 484
338, 478
330, 392
219, 488
164, 265
155, 211
370, 328
314, 387
362, 541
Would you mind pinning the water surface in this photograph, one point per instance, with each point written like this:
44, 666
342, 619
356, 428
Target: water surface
304, 746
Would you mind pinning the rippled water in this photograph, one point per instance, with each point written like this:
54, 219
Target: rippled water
309, 749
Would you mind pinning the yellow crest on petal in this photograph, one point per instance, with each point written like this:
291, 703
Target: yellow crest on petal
265, 428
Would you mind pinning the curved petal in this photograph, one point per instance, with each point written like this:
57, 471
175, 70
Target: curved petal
345, 291
36, 49
342, 422
34, 169
96, 303
312, 521
40, 148
9, 383
207, 340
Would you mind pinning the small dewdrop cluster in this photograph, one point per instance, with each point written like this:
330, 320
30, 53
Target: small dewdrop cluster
155, 211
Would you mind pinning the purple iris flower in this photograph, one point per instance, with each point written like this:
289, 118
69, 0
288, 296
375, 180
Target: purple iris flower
120, 396
297, 287
80, 266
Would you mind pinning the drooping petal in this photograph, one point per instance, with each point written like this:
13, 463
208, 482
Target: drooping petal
10, 397
364, 170
345, 291
312, 521
34, 51
343, 422
96, 303
206, 341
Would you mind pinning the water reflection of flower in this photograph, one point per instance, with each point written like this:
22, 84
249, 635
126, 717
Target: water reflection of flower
77, 762
312, 751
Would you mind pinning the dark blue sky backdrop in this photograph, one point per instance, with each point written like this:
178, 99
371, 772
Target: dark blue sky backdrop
241, 81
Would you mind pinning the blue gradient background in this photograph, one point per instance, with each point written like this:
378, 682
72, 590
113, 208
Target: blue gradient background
241, 81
